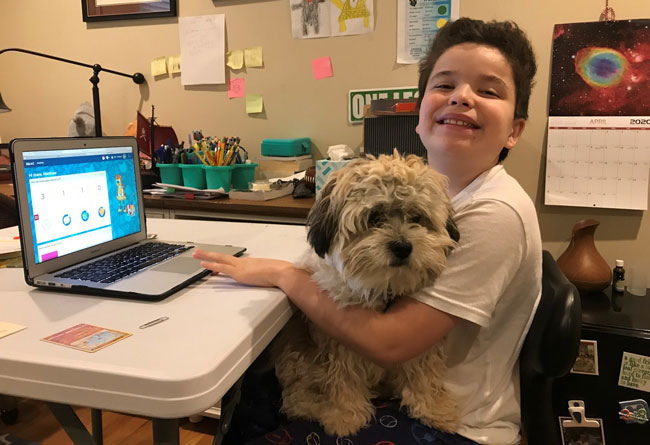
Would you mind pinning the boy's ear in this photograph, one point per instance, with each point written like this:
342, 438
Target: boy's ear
518, 125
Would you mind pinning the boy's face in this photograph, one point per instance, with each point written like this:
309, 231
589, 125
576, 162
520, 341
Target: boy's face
467, 112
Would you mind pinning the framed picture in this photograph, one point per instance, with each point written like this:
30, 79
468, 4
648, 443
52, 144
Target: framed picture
100, 10
587, 360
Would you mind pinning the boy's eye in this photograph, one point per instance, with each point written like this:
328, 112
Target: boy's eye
443, 86
490, 93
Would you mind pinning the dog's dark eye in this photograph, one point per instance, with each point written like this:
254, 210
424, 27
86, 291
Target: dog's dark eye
415, 219
375, 219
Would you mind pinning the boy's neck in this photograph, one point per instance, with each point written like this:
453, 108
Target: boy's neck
458, 179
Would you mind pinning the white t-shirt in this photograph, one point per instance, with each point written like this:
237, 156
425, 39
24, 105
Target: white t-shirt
492, 282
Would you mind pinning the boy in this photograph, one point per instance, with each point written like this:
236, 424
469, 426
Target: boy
474, 89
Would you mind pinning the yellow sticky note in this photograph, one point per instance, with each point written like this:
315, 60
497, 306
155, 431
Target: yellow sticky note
174, 64
235, 59
158, 66
7, 328
254, 103
253, 56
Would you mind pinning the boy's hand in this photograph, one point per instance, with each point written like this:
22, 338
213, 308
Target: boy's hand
252, 271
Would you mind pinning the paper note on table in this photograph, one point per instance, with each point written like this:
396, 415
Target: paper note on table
322, 67
7, 328
174, 64
9, 242
235, 59
158, 66
253, 56
254, 103
236, 88
202, 49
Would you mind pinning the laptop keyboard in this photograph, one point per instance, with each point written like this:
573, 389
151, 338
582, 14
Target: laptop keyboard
128, 262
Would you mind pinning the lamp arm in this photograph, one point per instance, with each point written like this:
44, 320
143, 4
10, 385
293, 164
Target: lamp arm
136, 77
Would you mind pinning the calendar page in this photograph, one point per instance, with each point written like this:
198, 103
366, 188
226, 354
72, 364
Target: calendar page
598, 161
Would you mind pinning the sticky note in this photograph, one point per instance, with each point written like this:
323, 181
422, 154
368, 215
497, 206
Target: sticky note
174, 64
322, 67
236, 88
254, 103
253, 56
235, 59
158, 66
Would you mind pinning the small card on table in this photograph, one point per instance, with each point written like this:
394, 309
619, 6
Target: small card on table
7, 328
86, 337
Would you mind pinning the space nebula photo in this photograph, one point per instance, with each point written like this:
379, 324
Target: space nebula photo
601, 69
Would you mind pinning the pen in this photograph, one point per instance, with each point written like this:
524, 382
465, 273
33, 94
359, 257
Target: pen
154, 322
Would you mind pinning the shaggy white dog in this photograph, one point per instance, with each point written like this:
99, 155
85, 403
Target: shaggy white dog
380, 229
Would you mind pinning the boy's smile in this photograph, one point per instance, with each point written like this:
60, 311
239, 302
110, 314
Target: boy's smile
467, 112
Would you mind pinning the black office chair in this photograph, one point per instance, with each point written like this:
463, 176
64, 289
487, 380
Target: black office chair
549, 352
8, 211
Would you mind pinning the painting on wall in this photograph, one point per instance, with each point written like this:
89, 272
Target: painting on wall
601, 69
100, 10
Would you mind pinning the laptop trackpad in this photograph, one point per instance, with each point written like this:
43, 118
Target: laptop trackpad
182, 265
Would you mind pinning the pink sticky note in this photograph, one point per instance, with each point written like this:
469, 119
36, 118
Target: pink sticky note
236, 88
322, 67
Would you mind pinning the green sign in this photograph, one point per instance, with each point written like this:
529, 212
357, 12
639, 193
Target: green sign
358, 99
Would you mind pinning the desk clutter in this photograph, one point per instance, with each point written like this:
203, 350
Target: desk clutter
284, 157
209, 163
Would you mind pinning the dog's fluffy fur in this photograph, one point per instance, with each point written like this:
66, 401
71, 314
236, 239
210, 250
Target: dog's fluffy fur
380, 229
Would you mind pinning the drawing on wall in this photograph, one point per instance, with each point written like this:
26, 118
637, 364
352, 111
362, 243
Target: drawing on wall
601, 69
325, 18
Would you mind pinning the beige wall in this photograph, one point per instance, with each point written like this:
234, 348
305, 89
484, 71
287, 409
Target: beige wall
44, 94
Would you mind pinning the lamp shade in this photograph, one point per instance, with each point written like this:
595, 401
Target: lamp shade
3, 106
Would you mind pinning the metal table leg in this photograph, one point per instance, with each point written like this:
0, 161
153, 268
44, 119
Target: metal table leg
70, 422
165, 431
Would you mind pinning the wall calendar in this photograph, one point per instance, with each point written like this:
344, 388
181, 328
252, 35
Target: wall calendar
598, 161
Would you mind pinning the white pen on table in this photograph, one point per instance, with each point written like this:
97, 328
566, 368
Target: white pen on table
154, 322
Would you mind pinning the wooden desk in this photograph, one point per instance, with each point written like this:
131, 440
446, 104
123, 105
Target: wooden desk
7, 188
280, 210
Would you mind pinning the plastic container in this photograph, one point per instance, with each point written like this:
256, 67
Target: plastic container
170, 174
193, 175
243, 175
286, 147
218, 176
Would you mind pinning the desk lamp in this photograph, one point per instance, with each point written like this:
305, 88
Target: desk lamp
137, 78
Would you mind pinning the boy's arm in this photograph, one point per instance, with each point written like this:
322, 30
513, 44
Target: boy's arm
406, 330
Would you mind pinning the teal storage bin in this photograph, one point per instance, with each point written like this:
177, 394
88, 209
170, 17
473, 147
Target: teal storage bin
170, 174
243, 175
218, 176
286, 147
193, 175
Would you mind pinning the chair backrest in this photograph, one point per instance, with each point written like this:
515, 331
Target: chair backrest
549, 352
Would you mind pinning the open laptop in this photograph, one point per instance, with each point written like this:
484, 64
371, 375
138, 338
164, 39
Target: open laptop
82, 221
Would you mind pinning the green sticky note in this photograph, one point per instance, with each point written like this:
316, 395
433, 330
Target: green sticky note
253, 56
254, 103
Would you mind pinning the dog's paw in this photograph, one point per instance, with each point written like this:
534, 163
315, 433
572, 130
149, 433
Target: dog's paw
343, 423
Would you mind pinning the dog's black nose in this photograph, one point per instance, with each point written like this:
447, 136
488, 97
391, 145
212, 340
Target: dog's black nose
401, 249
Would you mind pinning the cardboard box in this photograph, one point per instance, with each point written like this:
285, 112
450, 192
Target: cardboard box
324, 168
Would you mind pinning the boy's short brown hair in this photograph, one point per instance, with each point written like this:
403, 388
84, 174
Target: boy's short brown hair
506, 36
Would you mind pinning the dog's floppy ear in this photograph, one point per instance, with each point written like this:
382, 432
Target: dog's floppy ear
322, 221
452, 229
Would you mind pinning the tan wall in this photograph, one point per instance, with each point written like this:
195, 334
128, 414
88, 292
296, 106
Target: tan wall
44, 94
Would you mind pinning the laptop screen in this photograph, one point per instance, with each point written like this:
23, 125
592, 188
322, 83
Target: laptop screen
80, 198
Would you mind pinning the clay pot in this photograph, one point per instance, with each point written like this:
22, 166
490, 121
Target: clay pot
581, 262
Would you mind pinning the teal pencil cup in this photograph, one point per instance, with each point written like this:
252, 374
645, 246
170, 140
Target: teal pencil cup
193, 175
217, 176
170, 174
243, 175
